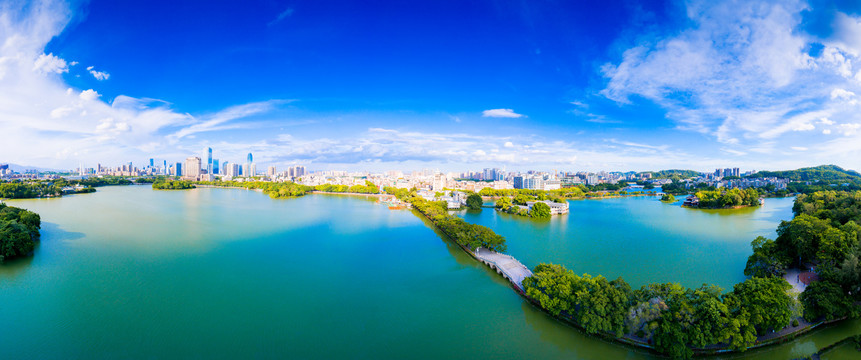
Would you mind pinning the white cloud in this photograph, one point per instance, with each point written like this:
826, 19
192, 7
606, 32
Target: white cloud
799, 148
99, 75
501, 113
50, 64
842, 94
849, 129
826, 131
509, 144
89, 95
746, 78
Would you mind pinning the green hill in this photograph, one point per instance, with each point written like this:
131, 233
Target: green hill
823, 173
668, 174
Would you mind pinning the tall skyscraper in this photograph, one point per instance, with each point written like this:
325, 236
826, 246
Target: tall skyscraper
250, 159
209, 160
151, 164
165, 168
178, 169
215, 168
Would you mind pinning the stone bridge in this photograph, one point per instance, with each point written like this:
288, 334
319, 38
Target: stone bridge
505, 265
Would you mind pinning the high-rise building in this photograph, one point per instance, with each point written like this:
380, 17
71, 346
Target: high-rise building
208, 157
224, 167
270, 171
215, 168
250, 159
192, 168
178, 170
164, 171
151, 163
518, 182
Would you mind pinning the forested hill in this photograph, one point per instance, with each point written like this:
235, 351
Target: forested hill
822, 172
669, 174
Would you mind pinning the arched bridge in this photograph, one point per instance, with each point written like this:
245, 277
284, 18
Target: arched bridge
505, 265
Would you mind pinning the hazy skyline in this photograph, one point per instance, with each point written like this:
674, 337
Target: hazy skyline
449, 85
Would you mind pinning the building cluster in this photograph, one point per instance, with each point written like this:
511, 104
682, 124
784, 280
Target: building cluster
207, 168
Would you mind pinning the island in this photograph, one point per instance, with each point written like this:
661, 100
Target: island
723, 199
19, 231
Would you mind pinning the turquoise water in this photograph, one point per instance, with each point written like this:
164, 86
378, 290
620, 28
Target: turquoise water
641, 239
129, 272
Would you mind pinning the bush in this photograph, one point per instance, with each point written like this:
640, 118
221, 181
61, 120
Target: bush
540, 210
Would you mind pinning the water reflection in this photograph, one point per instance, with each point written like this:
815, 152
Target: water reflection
51, 232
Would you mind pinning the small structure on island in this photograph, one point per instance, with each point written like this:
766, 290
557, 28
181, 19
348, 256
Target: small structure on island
555, 207
691, 201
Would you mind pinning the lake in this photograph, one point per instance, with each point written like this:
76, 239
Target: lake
128, 272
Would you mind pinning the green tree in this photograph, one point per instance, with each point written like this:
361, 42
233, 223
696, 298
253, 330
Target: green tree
766, 259
824, 299
540, 210
474, 202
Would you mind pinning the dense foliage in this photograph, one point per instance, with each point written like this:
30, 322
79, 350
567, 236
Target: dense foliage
470, 235
168, 184
673, 174
368, 188
540, 210
19, 230
668, 198
474, 202
275, 190
728, 198
824, 233
675, 319
28, 190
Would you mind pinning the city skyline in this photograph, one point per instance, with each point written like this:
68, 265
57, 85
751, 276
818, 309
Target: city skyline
456, 86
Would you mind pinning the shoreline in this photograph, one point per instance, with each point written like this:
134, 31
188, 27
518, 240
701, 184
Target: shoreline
627, 340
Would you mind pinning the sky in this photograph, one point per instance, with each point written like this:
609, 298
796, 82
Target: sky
406, 85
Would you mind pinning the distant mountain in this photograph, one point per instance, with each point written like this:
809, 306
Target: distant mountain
822, 173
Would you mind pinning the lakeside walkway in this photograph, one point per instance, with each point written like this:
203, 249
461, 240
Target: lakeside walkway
506, 265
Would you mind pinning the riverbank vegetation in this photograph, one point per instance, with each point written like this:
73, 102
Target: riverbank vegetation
668, 198
168, 184
19, 231
672, 318
44, 188
275, 190
825, 234
469, 235
368, 188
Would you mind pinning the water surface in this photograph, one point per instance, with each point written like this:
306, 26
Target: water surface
133, 273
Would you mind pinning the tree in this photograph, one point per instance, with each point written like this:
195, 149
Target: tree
766, 259
765, 300
540, 210
826, 299
19, 229
474, 202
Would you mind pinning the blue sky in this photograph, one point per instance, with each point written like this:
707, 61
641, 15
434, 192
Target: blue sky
451, 85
